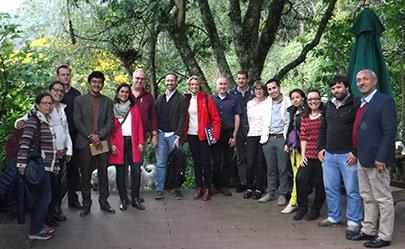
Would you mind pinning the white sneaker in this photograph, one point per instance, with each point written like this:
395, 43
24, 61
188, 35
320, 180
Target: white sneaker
267, 197
289, 209
281, 201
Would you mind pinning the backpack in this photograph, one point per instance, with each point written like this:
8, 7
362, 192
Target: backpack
176, 169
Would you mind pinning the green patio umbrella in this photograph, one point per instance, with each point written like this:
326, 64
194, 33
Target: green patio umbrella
367, 53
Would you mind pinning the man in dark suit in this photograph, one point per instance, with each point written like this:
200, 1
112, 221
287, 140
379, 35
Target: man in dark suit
374, 132
93, 118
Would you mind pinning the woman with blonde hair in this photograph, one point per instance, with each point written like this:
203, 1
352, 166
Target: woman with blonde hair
202, 121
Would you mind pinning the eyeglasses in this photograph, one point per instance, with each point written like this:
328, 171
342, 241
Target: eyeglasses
58, 90
139, 78
46, 103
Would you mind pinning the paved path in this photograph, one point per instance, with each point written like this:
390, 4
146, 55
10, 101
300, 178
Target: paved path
223, 222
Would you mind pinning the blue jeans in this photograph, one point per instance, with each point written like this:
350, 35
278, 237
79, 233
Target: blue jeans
164, 147
335, 168
40, 205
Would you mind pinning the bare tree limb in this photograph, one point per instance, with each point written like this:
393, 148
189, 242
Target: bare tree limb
315, 41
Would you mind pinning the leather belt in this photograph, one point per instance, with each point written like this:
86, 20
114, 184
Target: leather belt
276, 135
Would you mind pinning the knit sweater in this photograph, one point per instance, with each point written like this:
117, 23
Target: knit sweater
30, 138
309, 132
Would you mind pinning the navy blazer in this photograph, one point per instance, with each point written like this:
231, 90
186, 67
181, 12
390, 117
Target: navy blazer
376, 132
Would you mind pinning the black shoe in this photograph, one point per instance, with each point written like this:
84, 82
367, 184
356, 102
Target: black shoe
108, 209
59, 217
123, 206
299, 215
159, 195
84, 212
51, 222
136, 203
377, 243
58, 210
177, 195
240, 188
257, 195
226, 191
75, 204
312, 216
360, 236
141, 199
248, 194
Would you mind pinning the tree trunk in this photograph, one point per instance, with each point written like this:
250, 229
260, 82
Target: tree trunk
178, 35
152, 57
215, 41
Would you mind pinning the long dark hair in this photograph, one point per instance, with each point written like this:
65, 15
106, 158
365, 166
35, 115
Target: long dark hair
131, 97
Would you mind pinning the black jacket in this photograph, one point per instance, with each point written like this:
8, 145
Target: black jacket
177, 112
335, 134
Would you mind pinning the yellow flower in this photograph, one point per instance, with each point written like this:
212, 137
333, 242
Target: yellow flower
120, 79
40, 43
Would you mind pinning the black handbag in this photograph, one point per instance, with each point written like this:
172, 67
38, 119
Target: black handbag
34, 171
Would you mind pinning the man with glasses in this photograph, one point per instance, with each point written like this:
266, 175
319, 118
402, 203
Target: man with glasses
146, 105
93, 118
274, 130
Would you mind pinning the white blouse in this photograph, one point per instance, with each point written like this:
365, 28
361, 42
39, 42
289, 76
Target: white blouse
193, 116
255, 114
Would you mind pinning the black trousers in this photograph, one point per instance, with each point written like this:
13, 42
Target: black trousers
135, 173
72, 177
57, 189
87, 164
200, 152
222, 160
313, 169
256, 164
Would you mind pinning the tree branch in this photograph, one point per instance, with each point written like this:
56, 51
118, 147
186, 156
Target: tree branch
177, 33
315, 41
268, 35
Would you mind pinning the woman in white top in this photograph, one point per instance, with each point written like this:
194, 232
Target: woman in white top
256, 171
64, 149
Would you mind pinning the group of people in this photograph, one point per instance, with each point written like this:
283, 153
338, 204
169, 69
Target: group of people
286, 146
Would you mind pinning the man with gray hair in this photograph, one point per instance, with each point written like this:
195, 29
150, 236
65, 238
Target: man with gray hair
374, 133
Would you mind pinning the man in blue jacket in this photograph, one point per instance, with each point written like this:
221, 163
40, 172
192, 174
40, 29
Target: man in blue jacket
374, 132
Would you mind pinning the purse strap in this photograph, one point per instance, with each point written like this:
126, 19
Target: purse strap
38, 147
121, 123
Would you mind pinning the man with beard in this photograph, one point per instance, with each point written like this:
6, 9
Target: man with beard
335, 148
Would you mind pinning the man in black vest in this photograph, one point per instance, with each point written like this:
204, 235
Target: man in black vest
171, 115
